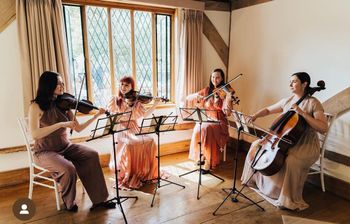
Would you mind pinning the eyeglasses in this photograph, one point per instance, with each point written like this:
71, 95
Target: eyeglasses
60, 84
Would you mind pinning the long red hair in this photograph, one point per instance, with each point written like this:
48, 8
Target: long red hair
128, 80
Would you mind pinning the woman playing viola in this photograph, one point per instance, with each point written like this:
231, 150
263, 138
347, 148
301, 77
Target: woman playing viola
214, 135
53, 150
284, 189
136, 154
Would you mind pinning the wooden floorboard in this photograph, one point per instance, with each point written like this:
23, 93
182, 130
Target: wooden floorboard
176, 205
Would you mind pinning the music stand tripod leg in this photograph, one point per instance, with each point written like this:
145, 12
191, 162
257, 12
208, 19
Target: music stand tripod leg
158, 185
200, 160
233, 190
118, 197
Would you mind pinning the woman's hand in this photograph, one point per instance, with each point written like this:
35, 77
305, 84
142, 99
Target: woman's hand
101, 111
297, 109
251, 118
70, 124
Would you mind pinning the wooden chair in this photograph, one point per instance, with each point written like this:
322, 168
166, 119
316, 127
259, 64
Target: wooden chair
318, 167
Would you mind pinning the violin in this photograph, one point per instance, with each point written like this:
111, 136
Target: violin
286, 130
67, 102
133, 95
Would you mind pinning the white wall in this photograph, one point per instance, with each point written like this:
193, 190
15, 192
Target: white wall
271, 41
11, 95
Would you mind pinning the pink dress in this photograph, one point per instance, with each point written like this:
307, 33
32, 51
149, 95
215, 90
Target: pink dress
135, 154
214, 135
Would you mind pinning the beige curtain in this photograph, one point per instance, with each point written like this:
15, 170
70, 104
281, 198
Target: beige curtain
190, 26
42, 43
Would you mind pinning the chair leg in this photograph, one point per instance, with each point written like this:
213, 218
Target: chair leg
224, 153
57, 196
31, 183
322, 175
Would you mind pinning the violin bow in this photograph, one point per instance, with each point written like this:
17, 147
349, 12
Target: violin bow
77, 103
223, 86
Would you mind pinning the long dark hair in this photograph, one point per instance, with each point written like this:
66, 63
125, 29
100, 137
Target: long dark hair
211, 85
47, 85
304, 77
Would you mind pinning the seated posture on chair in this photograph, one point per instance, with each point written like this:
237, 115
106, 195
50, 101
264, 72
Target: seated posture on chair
135, 154
284, 189
53, 150
214, 135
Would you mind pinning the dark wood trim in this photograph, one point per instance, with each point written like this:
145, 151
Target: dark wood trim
217, 6
121, 5
332, 184
215, 39
338, 158
238, 4
7, 13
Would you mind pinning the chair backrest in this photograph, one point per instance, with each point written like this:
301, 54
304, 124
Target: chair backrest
324, 136
29, 141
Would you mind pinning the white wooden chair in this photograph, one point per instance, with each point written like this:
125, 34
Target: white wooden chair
318, 167
36, 172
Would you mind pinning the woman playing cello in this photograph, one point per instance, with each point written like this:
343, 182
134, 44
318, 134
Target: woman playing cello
284, 189
214, 135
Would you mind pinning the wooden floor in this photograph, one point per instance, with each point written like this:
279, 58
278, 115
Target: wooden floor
176, 205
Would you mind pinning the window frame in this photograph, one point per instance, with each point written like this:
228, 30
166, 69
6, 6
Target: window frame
132, 7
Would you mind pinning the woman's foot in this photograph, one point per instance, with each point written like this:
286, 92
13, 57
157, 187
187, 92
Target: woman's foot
105, 204
72, 209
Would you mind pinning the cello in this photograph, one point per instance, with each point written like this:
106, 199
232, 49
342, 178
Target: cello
284, 133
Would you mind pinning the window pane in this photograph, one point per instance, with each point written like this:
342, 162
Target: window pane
143, 46
97, 26
76, 55
163, 55
121, 33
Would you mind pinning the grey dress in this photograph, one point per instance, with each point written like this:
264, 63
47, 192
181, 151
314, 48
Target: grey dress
285, 188
65, 160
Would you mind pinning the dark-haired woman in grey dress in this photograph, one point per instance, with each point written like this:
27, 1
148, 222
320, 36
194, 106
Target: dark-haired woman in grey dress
285, 188
53, 150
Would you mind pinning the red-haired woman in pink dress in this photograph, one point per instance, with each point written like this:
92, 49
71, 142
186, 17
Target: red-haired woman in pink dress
136, 154
214, 135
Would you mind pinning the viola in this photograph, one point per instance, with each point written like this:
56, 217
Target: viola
67, 102
285, 132
132, 96
222, 91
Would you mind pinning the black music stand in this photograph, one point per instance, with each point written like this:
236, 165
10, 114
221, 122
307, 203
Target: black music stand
241, 126
157, 125
110, 125
199, 115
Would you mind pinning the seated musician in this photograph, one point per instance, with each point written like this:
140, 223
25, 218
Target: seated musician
214, 135
135, 154
284, 189
53, 150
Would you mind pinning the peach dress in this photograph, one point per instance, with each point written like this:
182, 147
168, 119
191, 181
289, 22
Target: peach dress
214, 135
285, 188
135, 154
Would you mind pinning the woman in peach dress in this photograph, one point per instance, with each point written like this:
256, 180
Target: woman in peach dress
136, 154
214, 135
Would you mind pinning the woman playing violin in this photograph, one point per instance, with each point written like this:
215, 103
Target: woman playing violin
136, 154
284, 189
214, 135
53, 150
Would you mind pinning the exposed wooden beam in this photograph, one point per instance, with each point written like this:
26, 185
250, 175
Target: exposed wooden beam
7, 13
215, 39
217, 6
238, 4
338, 103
